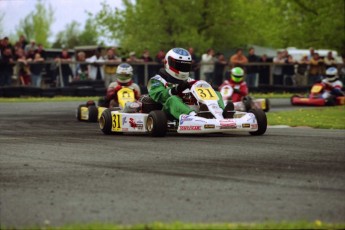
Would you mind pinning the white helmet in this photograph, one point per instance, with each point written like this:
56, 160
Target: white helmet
331, 74
178, 63
124, 73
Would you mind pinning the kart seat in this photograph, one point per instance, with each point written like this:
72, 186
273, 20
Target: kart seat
148, 104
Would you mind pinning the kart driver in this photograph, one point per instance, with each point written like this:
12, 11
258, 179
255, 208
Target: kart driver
124, 73
237, 83
168, 85
332, 83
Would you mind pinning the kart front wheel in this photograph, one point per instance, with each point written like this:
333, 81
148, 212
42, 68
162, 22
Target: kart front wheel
79, 111
261, 119
105, 122
156, 123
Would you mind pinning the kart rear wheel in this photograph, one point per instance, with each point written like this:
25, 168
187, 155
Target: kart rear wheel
268, 105
157, 123
330, 101
248, 103
93, 113
105, 122
261, 119
79, 111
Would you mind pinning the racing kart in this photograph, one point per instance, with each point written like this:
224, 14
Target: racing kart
90, 112
150, 118
247, 103
318, 97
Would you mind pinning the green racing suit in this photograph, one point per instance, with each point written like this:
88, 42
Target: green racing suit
160, 91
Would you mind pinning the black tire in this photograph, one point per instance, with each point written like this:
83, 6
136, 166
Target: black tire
268, 105
105, 122
261, 119
79, 112
93, 113
248, 102
331, 101
157, 123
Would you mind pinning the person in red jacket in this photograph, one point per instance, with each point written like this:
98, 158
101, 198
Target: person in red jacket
124, 73
238, 84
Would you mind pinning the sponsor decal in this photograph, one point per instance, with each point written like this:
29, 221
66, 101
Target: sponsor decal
209, 126
201, 121
185, 118
140, 126
124, 129
124, 120
140, 122
228, 124
251, 117
254, 126
245, 125
132, 123
190, 127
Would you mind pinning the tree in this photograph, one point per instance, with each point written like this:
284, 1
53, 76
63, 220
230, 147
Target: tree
37, 24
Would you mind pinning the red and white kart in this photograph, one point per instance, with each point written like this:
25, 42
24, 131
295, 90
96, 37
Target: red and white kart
151, 119
247, 103
318, 97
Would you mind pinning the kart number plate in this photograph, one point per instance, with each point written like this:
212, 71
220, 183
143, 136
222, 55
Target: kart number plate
316, 89
206, 93
116, 122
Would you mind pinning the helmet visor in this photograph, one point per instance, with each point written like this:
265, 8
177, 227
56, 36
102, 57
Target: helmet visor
236, 78
180, 65
123, 77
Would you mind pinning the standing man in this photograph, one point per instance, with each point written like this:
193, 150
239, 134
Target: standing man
252, 71
96, 72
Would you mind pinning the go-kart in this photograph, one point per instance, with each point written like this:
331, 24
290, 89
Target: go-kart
150, 118
247, 103
90, 112
318, 97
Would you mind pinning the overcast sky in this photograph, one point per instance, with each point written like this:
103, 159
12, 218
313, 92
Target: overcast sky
65, 11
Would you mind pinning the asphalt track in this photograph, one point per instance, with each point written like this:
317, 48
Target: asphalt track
55, 170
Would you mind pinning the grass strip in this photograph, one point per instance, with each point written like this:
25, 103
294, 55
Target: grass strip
198, 226
46, 99
321, 117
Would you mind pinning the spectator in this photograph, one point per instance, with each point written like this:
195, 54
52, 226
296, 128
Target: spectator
5, 43
31, 46
160, 59
311, 53
264, 71
302, 67
6, 67
278, 69
23, 68
96, 71
36, 67
22, 41
41, 51
64, 70
330, 60
238, 59
219, 69
315, 69
110, 67
207, 66
132, 60
252, 71
289, 71
82, 70
146, 56
194, 73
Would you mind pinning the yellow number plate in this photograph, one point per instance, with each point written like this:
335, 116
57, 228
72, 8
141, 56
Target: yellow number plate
316, 89
206, 93
116, 122
125, 95
84, 113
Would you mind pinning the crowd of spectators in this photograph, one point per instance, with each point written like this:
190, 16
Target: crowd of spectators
24, 62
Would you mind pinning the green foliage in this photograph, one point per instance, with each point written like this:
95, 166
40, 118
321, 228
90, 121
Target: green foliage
223, 24
72, 35
37, 24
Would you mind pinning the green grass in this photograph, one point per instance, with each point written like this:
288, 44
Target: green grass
179, 225
46, 99
271, 95
322, 117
